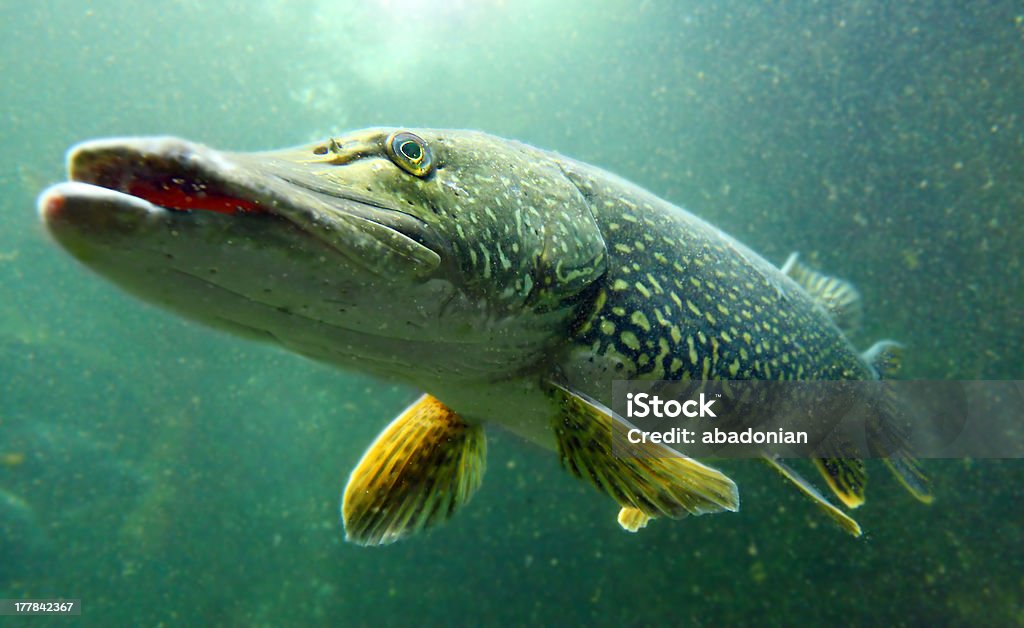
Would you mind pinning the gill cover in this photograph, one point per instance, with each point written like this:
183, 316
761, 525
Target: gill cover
572, 254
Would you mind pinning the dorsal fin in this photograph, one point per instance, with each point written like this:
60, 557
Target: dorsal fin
837, 296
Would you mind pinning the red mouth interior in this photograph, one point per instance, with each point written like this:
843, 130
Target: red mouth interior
179, 197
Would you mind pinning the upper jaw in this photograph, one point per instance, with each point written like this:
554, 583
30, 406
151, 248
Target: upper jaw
162, 176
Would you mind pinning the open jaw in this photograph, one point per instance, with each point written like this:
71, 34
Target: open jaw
125, 187
154, 174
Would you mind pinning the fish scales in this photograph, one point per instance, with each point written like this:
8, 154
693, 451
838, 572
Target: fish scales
713, 299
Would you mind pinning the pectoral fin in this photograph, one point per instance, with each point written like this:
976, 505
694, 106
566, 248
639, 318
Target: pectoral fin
805, 487
417, 473
647, 480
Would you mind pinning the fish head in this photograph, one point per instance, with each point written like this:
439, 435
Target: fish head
382, 249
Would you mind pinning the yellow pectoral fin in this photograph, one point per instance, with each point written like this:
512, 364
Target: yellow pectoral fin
647, 480
417, 473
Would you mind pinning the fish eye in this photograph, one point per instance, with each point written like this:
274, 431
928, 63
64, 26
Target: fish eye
410, 153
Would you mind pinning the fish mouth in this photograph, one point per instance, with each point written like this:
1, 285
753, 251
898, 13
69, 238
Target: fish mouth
116, 185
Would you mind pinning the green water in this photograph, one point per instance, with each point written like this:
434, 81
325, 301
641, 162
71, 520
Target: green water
164, 473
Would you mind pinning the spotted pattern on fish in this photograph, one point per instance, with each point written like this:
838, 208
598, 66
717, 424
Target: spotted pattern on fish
683, 300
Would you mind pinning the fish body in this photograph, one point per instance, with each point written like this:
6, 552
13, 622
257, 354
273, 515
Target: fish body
683, 300
511, 284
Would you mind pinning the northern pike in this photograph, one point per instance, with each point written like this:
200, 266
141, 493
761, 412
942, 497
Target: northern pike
510, 284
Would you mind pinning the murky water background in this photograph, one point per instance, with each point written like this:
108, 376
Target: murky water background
164, 473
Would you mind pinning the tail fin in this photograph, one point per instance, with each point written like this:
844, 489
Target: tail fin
886, 439
886, 357
886, 433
